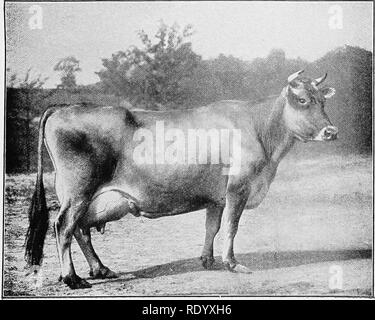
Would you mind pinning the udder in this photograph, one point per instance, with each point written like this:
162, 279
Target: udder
108, 206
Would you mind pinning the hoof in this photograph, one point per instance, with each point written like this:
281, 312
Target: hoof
207, 261
101, 228
241, 269
236, 267
103, 273
229, 266
75, 282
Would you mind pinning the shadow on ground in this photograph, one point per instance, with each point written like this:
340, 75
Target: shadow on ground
254, 261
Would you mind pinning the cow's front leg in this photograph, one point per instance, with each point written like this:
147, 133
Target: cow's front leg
213, 220
233, 211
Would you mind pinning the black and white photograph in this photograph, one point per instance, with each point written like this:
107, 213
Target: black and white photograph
173, 149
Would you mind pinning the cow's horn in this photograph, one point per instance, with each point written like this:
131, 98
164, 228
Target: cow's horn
320, 80
294, 76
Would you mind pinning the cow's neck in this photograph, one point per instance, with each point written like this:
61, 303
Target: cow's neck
276, 139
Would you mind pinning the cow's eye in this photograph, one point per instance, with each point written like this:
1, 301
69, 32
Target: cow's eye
301, 100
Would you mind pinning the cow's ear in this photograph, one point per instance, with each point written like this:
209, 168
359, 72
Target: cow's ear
328, 92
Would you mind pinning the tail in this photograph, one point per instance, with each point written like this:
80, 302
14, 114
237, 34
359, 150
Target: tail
38, 211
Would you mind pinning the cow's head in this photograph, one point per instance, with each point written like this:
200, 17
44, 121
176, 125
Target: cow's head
304, 113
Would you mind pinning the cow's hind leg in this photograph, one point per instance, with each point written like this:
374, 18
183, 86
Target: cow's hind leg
65, 225
97, 269
213, 221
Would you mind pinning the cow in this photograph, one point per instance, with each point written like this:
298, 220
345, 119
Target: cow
98, 179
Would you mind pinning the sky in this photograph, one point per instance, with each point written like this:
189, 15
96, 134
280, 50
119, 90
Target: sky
92, 31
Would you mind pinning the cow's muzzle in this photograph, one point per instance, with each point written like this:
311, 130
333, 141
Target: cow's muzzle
328, 133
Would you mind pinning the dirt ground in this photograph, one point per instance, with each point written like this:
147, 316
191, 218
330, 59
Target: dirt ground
315, 225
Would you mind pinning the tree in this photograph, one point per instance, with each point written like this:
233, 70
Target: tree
228, 77
156, 73
221, 78
350, 73
11, 78
68, 67
20, 113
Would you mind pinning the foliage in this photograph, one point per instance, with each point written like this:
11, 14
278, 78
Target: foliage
155, 73
227, 77
19, 116
68, 67
29, 81
350, 73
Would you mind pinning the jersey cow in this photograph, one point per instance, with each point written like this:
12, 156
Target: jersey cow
107, 164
